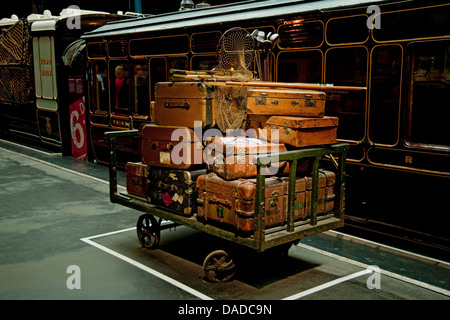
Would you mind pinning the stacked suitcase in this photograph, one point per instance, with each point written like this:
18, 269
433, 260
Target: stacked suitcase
214, 180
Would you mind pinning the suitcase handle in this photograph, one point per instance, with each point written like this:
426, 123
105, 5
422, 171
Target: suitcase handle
166, 186
177, 104
216, 201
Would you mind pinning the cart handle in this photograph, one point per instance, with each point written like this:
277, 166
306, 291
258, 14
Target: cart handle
111, 136
117, 134
293, 156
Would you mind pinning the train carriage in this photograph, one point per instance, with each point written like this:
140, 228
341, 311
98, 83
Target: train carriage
42, 74
398, 168
398, 164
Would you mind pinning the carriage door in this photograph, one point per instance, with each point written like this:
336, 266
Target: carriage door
45, 87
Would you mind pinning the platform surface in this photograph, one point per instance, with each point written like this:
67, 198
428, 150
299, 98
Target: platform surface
62, 239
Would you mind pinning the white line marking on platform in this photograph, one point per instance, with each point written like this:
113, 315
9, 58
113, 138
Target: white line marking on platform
62, 168
376, 245
384, 272
141, 266
327, 285
48, 154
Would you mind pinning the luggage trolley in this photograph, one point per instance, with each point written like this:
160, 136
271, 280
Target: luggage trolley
218, 266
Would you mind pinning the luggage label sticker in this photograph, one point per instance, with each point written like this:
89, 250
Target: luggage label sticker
220, 212
241, 140
167, 199
164, 157
240, 157
177, 198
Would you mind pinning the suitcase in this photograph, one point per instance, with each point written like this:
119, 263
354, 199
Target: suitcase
173, 189
303, 131
231, 204
286, 102
136, 178
183, 103
303, 194
255, 126
170, 146
232, 157
325, 202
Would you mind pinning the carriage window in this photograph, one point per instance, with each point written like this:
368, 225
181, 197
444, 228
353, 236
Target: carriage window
160, 46
158, 73
141, 89
118, 48
120, 87
99, 87
205, 42
347, 67
347, 30
204, 62
414, 24
300, 66
429, 94
385, 94
301, 34
96, 50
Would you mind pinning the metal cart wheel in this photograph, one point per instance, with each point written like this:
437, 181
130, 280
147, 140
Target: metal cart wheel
148, 231
219, 267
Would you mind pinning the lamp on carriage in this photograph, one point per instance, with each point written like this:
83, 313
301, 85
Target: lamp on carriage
186, 5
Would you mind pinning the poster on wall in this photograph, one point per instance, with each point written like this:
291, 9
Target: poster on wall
77, 113
78, 129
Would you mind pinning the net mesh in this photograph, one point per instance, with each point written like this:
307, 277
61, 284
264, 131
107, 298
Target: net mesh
235, 53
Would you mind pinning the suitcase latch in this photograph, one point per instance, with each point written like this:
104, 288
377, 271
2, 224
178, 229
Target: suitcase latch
309, 102
261, 100
286, 129
177, 104
274, 201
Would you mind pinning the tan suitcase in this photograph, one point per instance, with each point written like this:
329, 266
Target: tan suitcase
255, 126
231, 204
302, 131
187, 104
303, 194
232, 157
286, 102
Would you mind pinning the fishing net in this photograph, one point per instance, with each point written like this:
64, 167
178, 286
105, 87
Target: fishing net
235, 52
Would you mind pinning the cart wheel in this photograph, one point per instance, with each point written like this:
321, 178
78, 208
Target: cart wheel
219, 267
148, 231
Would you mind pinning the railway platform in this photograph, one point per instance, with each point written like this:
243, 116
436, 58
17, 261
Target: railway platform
62, 239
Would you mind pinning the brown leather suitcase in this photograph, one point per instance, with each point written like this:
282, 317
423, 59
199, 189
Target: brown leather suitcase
136, 178
255, 126
327, 180
173, 189
232, 157
183, 103
286, 102
231, 204
302, 131
170, 146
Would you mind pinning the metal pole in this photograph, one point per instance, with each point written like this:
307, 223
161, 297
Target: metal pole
138, 6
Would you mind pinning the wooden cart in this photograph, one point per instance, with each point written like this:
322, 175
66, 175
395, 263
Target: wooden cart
219, 266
